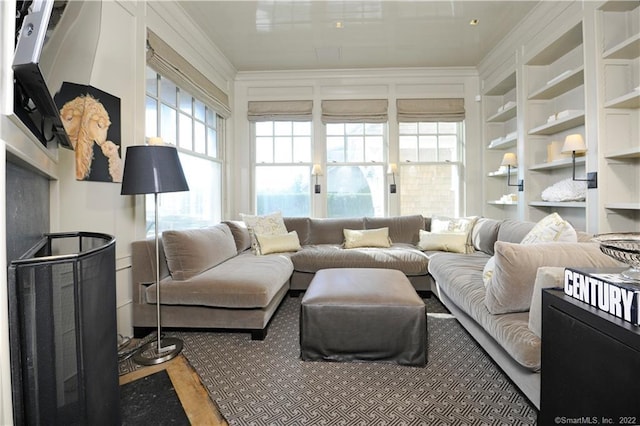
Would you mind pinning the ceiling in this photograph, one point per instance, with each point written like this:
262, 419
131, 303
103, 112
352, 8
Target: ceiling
298, 35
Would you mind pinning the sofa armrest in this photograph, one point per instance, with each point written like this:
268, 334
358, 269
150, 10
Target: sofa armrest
546, 277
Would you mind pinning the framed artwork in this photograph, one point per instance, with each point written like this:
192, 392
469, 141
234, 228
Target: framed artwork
91, 119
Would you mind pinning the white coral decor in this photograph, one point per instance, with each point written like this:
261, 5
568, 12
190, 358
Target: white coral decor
565, 190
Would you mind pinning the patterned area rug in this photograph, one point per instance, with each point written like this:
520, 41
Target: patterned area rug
265, 382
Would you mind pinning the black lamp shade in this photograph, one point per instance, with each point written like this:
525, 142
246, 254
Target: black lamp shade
152, 169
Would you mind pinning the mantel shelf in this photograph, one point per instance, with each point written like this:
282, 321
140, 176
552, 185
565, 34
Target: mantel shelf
562, 204
502, 116
627, 49
557, 164
623, 153
504, 143
560, 125
629, 100
622, 206
573, 79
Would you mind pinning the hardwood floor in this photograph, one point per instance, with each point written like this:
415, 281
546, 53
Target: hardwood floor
193, 395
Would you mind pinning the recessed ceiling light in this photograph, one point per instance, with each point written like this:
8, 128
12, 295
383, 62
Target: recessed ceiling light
473, 22
339, 25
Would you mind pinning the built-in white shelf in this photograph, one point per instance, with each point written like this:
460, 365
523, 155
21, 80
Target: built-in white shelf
622, 206
619, 6
561, 84
627, 49
503, 203
552, 127
506, 114
562, 204
504, 143
623, 153
629, 100
557, 164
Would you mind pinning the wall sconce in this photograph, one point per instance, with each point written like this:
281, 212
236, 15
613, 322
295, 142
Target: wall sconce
316, 171
575, 143
392, 170
510, 161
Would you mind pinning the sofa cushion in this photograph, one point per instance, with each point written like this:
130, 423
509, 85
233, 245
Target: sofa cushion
300, 225
513, 231
244, 281
484, 234
455, 242
355, 238
278, 243
458, 276
271, 224
192, 251
403, 257
330, 231
240, 234
546, 277
402, 229
516, 265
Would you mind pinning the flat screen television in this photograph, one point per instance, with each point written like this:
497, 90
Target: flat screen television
33, 102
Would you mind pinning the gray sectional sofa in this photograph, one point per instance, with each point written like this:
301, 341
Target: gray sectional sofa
210, 278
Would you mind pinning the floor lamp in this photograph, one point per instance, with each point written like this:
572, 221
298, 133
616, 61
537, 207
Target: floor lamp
154, 169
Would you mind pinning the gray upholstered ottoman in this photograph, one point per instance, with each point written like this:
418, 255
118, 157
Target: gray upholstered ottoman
363, 315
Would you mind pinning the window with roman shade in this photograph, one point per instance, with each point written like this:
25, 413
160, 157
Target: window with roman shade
184, 108
356, 152
282, 133
431, 155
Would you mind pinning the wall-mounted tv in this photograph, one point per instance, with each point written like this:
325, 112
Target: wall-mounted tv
33, 102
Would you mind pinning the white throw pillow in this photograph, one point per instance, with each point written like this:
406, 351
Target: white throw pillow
455, 242
271, 224
278, 243
355, 238
550, 229
463, 225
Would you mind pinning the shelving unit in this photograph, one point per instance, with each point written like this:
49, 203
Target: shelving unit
619, 134
555, 107
500, 107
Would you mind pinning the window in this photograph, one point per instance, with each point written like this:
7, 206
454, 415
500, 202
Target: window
430, 168
283, 167
181, 119
355, 169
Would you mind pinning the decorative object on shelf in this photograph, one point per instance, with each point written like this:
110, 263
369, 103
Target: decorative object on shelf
392, 170
565, 190
316, 171
554, 152
623, 247
509, 160
154, 169
574, 143
509, 198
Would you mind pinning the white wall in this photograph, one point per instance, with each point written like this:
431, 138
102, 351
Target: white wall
353, 84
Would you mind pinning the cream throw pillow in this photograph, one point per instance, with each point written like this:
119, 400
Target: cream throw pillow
271, 224
355, 238
462, 225
551, 228
455, 242
278, 243
511, 286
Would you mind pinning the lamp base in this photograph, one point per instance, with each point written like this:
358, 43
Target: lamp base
148, 354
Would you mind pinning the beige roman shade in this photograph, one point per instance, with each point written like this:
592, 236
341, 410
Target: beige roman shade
169, 63
355, 111
280, 111
435, 109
